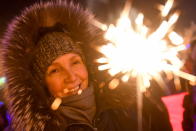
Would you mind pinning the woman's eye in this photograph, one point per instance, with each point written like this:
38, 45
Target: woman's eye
53, 71
76, 62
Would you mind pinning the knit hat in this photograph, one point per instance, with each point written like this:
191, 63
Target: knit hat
51, 46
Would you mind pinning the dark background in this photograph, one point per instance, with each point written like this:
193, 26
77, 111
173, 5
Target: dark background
11, 8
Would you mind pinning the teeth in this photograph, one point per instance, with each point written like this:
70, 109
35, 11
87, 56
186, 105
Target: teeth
74, 89
79, 92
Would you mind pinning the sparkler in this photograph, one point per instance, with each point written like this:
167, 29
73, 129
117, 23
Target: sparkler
135, 52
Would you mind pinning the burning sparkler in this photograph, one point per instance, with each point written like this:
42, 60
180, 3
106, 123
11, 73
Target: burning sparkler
134, 52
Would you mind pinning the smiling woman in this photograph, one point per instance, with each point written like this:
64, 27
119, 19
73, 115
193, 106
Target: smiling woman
48, 64
63, 71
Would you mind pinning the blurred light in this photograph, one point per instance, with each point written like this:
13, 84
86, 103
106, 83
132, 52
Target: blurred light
175, 38
2, 81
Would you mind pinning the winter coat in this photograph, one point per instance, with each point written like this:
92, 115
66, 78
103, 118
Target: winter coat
27, 100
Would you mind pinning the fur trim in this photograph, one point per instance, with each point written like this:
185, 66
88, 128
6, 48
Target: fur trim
25, 98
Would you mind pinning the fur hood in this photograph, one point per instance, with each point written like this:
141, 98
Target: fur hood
25, 98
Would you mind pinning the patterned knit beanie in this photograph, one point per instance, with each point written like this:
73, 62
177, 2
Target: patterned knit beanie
49, 47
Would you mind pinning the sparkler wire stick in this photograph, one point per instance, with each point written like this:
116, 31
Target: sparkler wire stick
139, 101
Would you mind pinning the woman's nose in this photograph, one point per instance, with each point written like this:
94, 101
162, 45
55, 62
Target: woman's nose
69, 76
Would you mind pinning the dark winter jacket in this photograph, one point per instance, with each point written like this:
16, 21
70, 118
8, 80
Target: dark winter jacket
27, 98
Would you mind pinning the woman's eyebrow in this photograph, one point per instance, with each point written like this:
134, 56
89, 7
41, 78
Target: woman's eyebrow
54, 64
75, 57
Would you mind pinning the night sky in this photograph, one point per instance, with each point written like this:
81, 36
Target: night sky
11, 8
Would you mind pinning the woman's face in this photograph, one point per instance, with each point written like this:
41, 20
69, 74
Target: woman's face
66, 75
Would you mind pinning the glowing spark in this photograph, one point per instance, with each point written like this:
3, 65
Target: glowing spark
102, 60
186, 76
114, 83
173, 18
167, 7
175, 38
125, 78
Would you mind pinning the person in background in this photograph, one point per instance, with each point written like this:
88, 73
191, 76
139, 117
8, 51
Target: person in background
189, 118
193, 85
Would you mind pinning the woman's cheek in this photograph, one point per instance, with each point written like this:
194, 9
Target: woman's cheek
55, 87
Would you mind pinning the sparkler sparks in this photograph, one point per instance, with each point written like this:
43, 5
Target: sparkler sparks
135, 52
